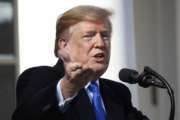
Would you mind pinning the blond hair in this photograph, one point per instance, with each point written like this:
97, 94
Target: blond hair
78, 14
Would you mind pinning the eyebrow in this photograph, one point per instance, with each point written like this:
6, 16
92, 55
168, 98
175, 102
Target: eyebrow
94, 31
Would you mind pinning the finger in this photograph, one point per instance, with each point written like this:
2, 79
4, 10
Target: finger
87, 68
76, 67
88, 73
72, 69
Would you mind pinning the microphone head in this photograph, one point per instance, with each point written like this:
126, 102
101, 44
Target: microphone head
128, 75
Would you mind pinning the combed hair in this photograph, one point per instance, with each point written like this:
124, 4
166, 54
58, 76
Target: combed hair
78, 14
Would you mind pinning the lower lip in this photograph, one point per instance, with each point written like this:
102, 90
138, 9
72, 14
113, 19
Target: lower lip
100, 59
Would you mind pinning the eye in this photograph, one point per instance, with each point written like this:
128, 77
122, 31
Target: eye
89, 36
105, 35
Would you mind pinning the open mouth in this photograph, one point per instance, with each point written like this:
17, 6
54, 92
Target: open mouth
100, 57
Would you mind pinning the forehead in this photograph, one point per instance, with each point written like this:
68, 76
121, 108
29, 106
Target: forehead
90, 25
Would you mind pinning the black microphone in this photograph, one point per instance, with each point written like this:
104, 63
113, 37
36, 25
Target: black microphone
144, 79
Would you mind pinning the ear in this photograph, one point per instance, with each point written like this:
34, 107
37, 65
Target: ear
62, 43
62, 46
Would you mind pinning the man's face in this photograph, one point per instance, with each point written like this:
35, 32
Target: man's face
89, 44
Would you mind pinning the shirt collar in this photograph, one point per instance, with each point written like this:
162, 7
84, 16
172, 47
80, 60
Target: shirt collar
97, 81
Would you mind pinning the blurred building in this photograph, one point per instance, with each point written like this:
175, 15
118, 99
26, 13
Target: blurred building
8, 62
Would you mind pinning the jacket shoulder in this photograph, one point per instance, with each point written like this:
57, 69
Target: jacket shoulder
37, 75
119, 90
33, 80
115, 85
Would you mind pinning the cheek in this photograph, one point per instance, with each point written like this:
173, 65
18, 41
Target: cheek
108, 47
80, 52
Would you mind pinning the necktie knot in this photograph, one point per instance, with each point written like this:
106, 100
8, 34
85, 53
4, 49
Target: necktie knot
93, 87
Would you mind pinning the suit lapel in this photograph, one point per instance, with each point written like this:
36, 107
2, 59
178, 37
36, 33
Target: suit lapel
83, 106
114, 108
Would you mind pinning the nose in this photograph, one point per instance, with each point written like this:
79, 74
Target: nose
99, 42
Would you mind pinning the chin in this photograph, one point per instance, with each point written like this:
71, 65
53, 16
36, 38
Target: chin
100, 69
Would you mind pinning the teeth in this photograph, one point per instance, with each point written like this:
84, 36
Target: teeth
99, 55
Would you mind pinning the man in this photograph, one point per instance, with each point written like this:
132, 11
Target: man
73, 89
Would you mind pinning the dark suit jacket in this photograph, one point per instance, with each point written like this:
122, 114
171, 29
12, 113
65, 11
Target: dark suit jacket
36, 98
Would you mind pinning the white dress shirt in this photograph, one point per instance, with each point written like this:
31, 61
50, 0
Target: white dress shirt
64, 103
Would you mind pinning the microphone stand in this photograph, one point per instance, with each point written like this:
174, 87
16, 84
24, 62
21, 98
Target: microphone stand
150, 71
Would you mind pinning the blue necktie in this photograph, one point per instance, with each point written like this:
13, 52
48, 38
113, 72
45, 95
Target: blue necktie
96, 101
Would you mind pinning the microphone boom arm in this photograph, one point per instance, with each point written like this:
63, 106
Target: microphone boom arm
166, 84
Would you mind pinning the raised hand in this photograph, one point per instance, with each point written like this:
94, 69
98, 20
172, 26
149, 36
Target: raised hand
77, 75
